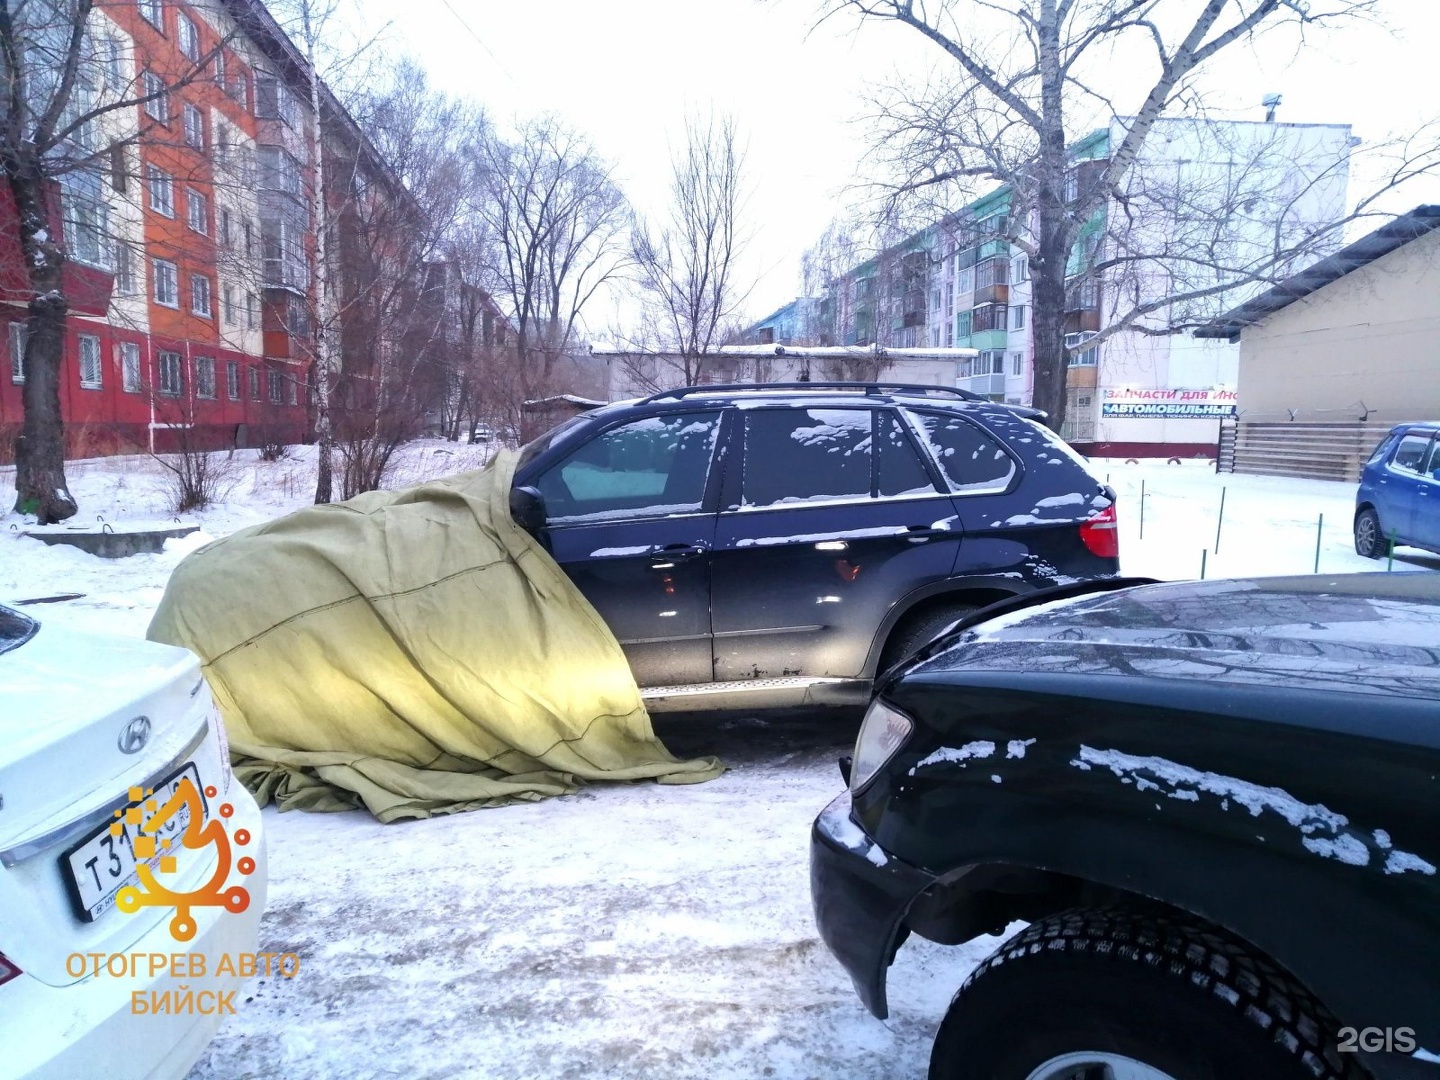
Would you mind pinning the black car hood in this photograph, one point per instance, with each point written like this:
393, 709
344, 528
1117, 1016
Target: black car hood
1376, 634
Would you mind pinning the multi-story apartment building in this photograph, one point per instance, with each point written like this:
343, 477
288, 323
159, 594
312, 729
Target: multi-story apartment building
1204, 200
190, 243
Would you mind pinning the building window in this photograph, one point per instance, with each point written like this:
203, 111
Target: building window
225, 227
162, 191
272, 382
962, 325
200, 295
18, 333
112, 60
252, 311
172, 377
124, 269
1017, 317
90, 372
1017, 363
197, 211
248, 231
291, 394
1021, 270
254, 384
87, 218
227, 304
274, 101
194, 127
130, 367
154, 13
157, 98
239, 89
232, 380
186, 37
167, 283
205, 377
220, 79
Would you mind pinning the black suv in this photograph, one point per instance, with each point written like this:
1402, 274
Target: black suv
781, 544
1216, 803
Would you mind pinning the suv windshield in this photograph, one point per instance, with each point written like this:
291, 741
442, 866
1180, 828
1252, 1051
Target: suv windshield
15, 629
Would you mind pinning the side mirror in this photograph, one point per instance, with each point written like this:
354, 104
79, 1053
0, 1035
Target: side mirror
527, 508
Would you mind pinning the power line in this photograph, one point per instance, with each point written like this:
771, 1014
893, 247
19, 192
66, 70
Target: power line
469, 30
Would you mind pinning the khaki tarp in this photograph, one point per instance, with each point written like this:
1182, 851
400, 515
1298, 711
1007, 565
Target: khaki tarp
415, 651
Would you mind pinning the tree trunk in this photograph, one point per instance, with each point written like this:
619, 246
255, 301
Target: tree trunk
1052, 232
40, 486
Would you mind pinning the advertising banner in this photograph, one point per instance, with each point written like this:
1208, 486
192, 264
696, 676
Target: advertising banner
1162, 403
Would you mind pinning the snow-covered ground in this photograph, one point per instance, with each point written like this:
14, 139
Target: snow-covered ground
629, 931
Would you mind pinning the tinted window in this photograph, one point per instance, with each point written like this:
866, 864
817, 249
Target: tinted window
15, 629
970, 459
1431, 466
806, 455
1410, 455
900, 470
659, 465
1381, 450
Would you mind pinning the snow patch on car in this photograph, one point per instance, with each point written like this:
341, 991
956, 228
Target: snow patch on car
615, 552
1015, 748
1324, 832
807, 538
957, 755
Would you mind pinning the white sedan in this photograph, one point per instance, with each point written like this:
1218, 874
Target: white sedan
92, 982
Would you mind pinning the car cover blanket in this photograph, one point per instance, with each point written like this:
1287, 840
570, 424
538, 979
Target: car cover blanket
413, 651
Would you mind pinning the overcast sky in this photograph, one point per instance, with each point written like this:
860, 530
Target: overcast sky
627, 71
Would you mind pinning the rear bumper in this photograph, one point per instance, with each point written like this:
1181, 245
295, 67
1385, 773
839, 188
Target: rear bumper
860, 895
88, 1028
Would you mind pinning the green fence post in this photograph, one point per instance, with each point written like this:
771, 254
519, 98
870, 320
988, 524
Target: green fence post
1220, 521
1319, 528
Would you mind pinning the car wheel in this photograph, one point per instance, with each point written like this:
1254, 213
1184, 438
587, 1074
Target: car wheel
1369, 539
1125, 995
913, 635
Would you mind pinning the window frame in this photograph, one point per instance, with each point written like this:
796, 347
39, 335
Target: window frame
169, 360
197, 128
128, 384
205, 378
158, 180
187, 37
153, 12
1017, 466
156, 107
709, 496
742, 450
97, 381
208, 311
19, 334
232, 380
156, 276
194, 199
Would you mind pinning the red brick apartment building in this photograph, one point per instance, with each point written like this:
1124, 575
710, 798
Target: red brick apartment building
190, 246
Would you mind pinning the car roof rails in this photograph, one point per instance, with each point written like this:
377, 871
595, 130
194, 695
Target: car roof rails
867, 387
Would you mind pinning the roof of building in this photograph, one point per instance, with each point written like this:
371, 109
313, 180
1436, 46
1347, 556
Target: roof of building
1394, 234
569, 399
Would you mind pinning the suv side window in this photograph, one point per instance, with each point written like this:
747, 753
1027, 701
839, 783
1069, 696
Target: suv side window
972, 462
658, 465
1430, 469
900, 469
1411, 453
806, 455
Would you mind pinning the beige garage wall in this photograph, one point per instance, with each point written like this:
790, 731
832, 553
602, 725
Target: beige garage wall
1371, 337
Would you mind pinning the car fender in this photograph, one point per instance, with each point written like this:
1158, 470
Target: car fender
988, 589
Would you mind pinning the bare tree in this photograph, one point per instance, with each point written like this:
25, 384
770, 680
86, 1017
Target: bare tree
1027, 80
557, 222
64, 83
687, 265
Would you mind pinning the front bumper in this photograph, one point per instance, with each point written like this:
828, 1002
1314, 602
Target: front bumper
87, 1028
860, 895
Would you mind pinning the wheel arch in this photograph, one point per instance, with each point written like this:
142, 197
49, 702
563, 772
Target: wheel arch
916, 605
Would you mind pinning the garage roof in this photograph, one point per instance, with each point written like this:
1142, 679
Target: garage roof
1367, 249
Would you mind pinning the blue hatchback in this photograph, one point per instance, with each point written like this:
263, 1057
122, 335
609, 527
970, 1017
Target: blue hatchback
1399, 496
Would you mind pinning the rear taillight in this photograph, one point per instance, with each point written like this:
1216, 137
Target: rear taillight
1101, 535
8, 970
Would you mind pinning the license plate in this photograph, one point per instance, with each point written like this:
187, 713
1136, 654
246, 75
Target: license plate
102, 864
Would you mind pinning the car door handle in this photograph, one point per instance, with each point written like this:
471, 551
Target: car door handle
924, 532
666, 557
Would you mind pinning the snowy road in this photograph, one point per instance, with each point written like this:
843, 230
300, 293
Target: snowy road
635, 931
